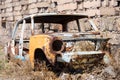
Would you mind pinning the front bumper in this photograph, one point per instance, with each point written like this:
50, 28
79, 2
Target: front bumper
70, 56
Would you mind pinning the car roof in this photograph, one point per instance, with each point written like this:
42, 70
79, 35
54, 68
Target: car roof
52, 18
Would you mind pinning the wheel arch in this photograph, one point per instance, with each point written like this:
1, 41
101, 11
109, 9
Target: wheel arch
39, 54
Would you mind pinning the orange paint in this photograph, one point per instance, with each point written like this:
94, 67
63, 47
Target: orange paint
43, 42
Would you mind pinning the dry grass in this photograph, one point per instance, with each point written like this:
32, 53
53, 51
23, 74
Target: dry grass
18, 70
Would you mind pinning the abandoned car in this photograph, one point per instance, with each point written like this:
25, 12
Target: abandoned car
57, 38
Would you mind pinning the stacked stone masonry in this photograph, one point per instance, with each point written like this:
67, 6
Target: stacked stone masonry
10, 9
13, 10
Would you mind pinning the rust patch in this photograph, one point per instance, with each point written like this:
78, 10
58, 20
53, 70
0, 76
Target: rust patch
49, 44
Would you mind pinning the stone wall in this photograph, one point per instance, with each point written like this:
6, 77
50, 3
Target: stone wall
102, 11
12, 10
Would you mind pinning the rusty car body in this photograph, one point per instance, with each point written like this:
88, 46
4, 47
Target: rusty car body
59, 44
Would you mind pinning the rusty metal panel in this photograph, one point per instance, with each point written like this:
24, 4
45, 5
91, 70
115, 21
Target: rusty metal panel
68, 56
43, 42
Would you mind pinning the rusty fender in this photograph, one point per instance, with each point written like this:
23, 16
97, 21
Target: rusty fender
10, 49
50, 45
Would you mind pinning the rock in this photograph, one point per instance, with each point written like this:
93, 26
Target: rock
110, 70
65, 76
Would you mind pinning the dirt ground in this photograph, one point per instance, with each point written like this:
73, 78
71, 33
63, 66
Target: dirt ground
22, 70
